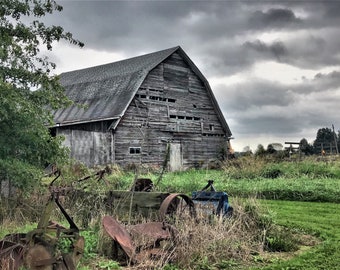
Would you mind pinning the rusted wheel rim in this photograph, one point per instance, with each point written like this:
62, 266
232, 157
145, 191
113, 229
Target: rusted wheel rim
177, 206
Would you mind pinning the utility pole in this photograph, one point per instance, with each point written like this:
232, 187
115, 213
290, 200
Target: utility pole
335, 141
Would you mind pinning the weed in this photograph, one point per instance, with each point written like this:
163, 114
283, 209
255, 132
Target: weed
280, 240
91, 243
108, 265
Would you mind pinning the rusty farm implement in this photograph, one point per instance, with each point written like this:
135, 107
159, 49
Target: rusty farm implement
131, 241
39, 248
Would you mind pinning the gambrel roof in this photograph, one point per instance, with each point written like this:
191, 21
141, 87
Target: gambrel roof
105, 92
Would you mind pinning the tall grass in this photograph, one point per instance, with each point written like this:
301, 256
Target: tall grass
251, 167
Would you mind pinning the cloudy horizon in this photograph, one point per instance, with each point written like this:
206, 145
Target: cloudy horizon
274, 66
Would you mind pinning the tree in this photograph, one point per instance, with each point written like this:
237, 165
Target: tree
260, 151
306, 148
26, 145
271, 149
324, 140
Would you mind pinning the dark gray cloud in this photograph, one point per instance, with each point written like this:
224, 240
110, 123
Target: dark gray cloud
226, 38
276, 50
218, 31
253, 94
273, 18
321, 82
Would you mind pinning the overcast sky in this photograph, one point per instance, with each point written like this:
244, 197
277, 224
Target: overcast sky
274, 66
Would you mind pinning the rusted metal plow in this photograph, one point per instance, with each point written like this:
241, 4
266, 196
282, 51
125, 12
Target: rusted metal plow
38, 249
142, 241
149, 240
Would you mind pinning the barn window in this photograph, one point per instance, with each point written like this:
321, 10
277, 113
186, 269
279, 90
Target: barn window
157, 98
135, 150
211, 127
182, 117
140, 96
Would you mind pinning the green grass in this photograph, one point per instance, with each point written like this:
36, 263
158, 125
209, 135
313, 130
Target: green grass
319, 219
300, 188
295, 189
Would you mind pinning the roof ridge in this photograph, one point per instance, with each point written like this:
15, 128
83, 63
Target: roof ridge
172, 49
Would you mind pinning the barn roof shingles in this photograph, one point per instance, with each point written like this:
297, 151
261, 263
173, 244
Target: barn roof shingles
104, 92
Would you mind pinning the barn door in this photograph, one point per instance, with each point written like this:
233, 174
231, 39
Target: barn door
175, 159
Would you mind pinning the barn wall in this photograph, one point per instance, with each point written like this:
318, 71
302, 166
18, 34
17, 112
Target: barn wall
171, 106
90, 144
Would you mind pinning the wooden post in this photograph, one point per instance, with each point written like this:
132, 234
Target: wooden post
335, 141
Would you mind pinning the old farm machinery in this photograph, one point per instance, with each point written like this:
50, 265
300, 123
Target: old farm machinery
39, 248
171, 208
131, 241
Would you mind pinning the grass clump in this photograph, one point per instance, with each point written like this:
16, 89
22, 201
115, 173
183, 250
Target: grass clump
281, 239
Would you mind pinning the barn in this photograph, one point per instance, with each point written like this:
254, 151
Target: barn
142, 110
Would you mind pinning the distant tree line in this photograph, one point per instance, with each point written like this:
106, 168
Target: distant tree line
327, 142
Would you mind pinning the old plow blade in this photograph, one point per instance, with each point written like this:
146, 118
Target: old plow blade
142, 241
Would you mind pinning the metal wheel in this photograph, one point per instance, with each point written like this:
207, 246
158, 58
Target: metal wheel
177, 207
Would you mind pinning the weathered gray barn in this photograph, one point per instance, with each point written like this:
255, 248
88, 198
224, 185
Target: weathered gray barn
140, 110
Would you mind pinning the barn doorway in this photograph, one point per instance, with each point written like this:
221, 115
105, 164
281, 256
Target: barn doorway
176, 158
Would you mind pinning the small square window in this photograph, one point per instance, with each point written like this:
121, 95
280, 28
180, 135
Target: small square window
135, 150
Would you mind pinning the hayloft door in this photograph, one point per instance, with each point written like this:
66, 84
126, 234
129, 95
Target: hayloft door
175, 159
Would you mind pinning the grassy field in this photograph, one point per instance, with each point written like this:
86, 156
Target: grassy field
300, 196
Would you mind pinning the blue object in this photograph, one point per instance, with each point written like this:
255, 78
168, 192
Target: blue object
218, 199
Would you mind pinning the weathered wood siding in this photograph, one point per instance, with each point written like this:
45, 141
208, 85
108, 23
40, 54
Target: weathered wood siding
172, 105
89, 143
